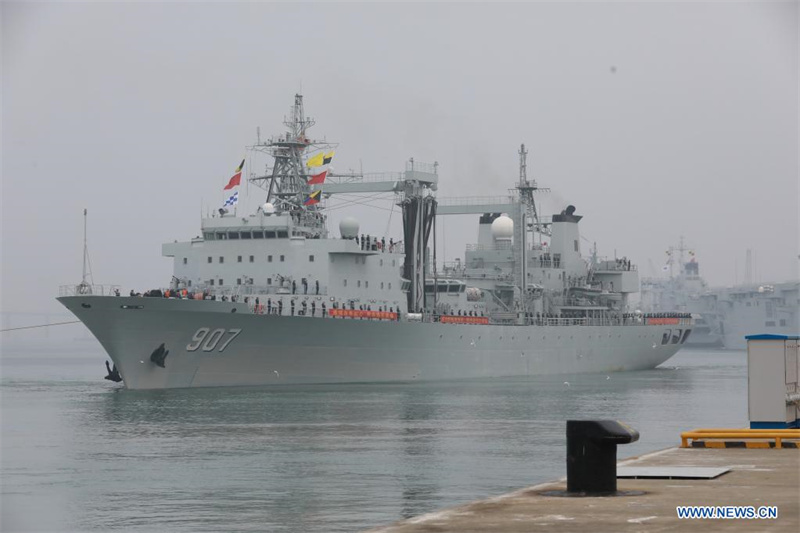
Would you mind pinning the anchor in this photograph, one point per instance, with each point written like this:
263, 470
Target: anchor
113, 374
159, 355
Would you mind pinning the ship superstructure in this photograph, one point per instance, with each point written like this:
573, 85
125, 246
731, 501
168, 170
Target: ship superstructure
723, 316
752, 309
684, 291
275, 296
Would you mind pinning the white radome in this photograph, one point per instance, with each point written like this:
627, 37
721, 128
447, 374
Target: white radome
502, 228
348, 228
268, 208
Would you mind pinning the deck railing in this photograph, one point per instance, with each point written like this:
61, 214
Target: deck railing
86, 289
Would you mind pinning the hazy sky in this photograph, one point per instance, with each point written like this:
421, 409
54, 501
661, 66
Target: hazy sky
655, 119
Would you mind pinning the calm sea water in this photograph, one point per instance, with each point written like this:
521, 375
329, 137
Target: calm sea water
80, 454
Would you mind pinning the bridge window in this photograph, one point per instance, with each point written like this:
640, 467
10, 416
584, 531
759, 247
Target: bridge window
233, 234
209, 236
246, 235
283, 234
258, 234
238, 281
269, 234
283, 258
220, 282
221, 259
185, 260
310, 258
269, 259
221, 236
252, 259
366, 284
211, 282
209, 259
238, 258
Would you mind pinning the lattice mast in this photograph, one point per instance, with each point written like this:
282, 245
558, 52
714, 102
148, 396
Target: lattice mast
526, 212
87, 281
287, 182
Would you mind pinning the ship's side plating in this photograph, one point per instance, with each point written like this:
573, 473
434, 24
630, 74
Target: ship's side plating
255, 349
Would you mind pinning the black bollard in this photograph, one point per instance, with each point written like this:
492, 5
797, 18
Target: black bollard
592, 454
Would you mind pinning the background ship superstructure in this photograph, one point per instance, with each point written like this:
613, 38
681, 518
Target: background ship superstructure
723, 315
683, 290
274, 297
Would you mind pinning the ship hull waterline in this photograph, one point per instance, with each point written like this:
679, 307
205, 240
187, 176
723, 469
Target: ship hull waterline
214, 343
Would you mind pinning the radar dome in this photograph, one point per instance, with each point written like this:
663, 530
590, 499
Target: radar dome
268, 208
348, 227
502, 228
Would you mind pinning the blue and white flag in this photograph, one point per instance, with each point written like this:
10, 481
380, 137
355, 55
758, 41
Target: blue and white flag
232, 200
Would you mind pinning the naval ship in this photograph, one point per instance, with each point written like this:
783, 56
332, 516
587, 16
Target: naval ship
723, 316
276, 297
754, 308
685, 291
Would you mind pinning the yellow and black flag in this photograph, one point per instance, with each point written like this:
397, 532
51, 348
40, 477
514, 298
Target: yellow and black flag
316, 161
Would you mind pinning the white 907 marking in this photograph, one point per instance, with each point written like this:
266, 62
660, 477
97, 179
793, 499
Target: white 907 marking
210, 339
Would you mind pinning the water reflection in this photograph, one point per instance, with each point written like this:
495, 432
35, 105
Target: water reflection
333, 458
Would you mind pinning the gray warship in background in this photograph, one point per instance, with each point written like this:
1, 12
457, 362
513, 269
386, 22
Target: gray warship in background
684, 290
273, 297
723, 316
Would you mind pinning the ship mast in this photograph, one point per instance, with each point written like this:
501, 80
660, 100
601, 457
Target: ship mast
287, 182
87, 280
526, 210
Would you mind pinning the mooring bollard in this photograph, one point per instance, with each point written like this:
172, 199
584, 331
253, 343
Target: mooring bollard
592, 454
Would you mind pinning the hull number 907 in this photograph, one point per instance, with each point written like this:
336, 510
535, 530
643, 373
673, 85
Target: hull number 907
208, 339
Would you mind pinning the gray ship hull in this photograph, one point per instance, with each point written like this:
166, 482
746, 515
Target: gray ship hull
213, 343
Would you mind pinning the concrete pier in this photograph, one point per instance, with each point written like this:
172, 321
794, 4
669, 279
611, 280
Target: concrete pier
757, 477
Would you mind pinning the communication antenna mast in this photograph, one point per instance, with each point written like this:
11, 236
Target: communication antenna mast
287, 182
748, 267
527, 211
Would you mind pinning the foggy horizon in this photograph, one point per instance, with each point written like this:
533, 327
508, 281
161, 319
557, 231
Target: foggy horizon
656, 120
